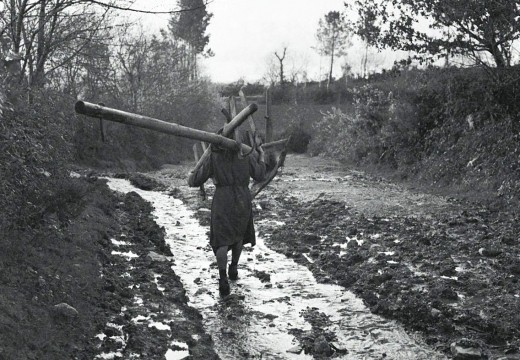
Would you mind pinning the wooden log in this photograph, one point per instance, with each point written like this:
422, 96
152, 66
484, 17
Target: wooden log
275, 145
98, 111
257, 187
226, 131
244, 103
226, 114
102, 126
233, 111
196, 154
268, 120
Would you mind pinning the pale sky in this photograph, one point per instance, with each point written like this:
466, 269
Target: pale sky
244, 34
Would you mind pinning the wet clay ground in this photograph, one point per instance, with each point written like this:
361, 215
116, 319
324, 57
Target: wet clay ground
444, 268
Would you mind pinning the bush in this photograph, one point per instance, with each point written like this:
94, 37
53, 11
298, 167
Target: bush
447, 126
36, 146
356, 137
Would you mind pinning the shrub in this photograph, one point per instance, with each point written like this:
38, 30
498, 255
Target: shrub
447, 126
35, 141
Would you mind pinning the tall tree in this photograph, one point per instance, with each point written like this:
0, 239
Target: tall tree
458, 27
190, 26
333, 37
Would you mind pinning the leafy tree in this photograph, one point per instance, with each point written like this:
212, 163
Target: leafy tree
456, 27
333, 37
190, 26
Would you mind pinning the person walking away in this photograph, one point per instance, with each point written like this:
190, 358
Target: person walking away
231, 223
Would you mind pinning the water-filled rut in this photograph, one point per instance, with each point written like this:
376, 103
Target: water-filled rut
273, 299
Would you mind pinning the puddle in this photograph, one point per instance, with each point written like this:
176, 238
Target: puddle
269, 298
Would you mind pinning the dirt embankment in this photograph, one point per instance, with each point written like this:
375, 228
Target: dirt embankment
77, 295
446, 268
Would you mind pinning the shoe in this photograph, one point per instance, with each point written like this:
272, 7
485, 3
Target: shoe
223, 287
233, 272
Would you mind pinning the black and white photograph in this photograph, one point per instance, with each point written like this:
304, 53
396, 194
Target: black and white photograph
259, 179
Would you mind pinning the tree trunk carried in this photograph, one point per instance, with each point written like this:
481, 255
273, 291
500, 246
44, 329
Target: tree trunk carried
98, 111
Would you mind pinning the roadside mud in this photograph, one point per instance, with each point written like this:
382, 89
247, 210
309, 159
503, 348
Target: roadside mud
445, 268
149, 315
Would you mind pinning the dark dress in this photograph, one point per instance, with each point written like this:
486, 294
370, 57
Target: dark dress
231, 209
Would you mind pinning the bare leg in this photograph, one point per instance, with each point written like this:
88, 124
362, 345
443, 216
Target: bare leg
221, 254
236, 250
223, 285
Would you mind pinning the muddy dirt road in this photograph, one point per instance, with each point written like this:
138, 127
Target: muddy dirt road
345, 264
446, 268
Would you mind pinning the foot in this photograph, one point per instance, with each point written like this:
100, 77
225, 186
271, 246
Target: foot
233, 272
223, 287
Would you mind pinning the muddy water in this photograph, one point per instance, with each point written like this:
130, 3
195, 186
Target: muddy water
269, 298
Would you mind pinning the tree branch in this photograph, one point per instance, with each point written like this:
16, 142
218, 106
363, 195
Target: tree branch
100, 3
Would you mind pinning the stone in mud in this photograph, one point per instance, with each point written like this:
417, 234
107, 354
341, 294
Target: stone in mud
448, 270
351, 231
64, 311
338, 348
514, 268
445, 291
353, 244
263, 276
375, 249
508, 240
321, 346
435, 313
465, 349
381, 278
227, 331
126, 293
111, 332
489, 252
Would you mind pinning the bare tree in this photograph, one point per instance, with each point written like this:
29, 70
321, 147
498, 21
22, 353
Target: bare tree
333, 38
280, 61
50, 33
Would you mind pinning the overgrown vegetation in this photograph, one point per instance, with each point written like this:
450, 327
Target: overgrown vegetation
453, 126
